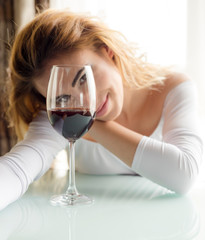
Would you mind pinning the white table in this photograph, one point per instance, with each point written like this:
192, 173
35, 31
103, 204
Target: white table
125, 207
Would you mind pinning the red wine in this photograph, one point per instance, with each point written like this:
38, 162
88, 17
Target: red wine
71, 123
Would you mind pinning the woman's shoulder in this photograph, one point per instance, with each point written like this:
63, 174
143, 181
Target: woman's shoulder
179, 90
174, 80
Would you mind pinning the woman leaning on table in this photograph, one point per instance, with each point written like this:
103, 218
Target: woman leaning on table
146, 118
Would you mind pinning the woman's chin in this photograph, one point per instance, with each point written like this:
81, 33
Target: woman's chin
108, 117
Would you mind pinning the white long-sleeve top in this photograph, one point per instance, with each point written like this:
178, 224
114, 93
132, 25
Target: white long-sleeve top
171, 156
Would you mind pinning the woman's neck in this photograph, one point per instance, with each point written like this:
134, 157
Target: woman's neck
134, 102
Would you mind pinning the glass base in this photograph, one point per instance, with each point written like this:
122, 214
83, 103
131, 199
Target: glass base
70, 200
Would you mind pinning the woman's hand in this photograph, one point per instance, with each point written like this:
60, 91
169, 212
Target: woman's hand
118, 139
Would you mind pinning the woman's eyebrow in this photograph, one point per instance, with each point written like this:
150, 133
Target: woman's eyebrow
77, 77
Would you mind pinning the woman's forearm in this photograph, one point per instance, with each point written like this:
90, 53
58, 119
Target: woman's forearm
172, 163
119, 140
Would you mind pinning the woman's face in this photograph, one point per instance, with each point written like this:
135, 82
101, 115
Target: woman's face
109, 86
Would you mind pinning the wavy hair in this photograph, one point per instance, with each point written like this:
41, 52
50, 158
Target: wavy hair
55, 31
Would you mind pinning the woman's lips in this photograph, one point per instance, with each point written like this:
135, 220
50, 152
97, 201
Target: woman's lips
102, 109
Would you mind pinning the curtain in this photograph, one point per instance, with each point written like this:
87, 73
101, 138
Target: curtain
7, 136
13, 15
41, 5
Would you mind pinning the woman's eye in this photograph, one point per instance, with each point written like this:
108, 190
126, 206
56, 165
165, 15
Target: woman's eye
82, 80
63, 98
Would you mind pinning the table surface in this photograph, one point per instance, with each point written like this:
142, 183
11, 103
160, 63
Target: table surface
125, 207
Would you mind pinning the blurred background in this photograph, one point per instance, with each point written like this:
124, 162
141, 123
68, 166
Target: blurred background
170, 32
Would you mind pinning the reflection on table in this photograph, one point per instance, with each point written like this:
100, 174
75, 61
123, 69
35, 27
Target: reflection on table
125, 207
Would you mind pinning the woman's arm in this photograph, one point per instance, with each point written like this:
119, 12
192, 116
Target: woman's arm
173, 162
29, 159
119, 140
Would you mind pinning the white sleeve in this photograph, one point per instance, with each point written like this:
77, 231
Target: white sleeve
174, 163
29, 159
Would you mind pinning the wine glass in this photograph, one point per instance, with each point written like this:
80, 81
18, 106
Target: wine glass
71, 106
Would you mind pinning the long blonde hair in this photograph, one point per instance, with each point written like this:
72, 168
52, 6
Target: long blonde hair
54, 31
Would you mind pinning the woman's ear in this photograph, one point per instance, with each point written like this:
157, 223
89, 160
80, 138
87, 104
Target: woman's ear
108, 51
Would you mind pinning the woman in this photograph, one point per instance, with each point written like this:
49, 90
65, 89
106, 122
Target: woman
146, 119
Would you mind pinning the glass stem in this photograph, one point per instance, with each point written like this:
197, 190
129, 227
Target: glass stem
72, 187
